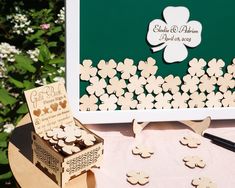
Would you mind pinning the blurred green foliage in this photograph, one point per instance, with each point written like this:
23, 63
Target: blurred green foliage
47, 36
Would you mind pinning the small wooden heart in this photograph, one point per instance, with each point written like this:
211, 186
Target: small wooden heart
63, 104
54, 107
37, 112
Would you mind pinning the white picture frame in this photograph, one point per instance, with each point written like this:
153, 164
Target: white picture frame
119, 116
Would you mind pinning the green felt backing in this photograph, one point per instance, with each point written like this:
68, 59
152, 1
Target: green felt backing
117, 30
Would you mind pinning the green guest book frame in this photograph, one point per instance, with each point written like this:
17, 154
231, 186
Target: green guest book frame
100, 31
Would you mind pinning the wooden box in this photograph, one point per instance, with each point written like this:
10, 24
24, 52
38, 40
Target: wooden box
48, 106
62, 169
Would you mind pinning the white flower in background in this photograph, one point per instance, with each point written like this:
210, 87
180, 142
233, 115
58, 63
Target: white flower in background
97, 86
8, 128
127, 102
116, 86
197, 100
231, 68
59, 79
229, 99
88, 103
2, 69
226, 82
43, 81
86, 70
180, 100
108, 102
145, 101
61, 70
196, 67
173, 34
8, 52
21, 24
215, 67
34, 54
171, 84
107, 69
61, 16
163, 101
136, 84
148, 67
127, 68
154, 84
214, 99
190, 83
207, 83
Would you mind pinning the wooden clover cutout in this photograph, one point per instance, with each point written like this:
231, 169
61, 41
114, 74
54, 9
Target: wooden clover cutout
190, 141
127, 68
194, 161
136, 177
70, 133
203, 182
175, 34
87, 138
148, 67
107, 69
86, 70
143, 151
68, 149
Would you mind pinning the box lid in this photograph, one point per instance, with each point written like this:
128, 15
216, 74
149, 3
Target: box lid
48, 107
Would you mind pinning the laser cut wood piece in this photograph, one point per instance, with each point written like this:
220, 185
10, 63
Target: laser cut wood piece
203, 182
148, 67
86, 70
194, 161
107, 69
197, 126
190, 141
137, 177
143, 151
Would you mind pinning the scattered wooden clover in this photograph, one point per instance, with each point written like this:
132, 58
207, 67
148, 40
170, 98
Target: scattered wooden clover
203, 182
137, 177
194, 161
143, 151
190, 141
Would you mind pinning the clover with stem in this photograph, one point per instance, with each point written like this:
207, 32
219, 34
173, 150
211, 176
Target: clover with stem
175, 40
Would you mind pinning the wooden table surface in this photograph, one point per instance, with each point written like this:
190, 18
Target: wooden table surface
24, 171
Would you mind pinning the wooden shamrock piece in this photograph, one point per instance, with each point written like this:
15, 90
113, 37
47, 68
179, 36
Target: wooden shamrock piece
143, 151
137, 177
68, 149
87, 138
70, 133
190, 141
203, 182
194, 161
